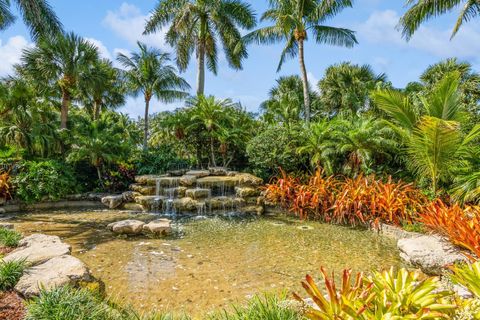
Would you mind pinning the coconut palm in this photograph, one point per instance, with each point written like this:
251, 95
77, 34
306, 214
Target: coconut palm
64, 63
106, 91
346, 88
37, 15
423, 10
149, 73
319, 146
293, 20
433, 135
200, 26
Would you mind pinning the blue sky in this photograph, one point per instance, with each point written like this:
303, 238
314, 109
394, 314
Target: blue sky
115, 25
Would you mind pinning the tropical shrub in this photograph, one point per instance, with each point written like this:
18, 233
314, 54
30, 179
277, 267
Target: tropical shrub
274, 148
385, 295
119, 177
467, 275
158, 160
41, 180
461, 226
10, 273
361, 200
9, 238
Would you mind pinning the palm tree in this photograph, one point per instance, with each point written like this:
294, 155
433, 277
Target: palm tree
433, 134
346, 87
209, 113
292, 21
200, 25
149, 73
63, 62
37, 15
319, 146
106, 91
423, 10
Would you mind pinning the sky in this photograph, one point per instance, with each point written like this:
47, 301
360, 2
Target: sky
115, 26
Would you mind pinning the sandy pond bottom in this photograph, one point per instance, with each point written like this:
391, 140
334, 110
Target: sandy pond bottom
209, 263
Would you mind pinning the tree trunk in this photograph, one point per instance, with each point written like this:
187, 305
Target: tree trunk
306, 95
64, 111
201, 69
145, 128
212, 150
99, 174
96, 110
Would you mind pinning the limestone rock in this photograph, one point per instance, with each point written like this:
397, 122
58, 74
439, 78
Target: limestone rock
188, 180
218, 171
177, 192
129, 227
244, 192
247, 179
129, 196
6, 225
256, 210
143, 190
217, 203
58, 271
113, 202
132, 207
149, 179
185, 204
177, 173
198, 173
217, 181
38, 248
149, 203
198, 193
430, 253
158, 227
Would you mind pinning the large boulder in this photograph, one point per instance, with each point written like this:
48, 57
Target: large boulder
149, 180
113, 202
198, 193
150, 203
128, 227
227, 203
188, 180
38, 248
185, 204
143, 190
429, 253
198, 173
247, 179
158, 227
58, 271
218, 171
245, 192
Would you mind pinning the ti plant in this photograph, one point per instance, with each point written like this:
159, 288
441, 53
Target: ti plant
387, 295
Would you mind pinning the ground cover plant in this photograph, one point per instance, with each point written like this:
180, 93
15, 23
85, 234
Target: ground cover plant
9, 238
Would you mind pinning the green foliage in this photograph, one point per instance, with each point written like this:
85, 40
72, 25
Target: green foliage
9, 238
158, 160
267, 307
41, 180
467, 275
10, 273
274, 148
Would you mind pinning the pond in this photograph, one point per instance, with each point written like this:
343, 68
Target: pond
209, 263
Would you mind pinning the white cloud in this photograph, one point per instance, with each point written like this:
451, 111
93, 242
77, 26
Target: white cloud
313, 81
128, 22
10, 53
104, 53
381, 27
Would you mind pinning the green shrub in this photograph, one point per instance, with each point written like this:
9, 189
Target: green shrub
9, 238
276, 147
267, 307
10, 273
44, 180
159, 160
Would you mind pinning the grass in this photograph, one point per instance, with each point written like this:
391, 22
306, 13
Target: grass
66, 303
9, 238
10, 273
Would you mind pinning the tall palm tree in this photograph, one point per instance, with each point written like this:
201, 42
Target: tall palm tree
292, 21
423, 10
200, 25
346, 87
64, 63
106, 91
433, 135
37, 15
149, 73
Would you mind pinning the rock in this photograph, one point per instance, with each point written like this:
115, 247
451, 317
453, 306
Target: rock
188, 180
149, 179
129, 196
218, 171
244, 192
256, 210
247, 179
158, 227
198, 173
38, 248
396, 232
150, 203
5, 225
198, 193
129, 227
132, 207
143, 190
219, 182
58, 271
217, 203
232, 173
113, 202
185, 204
430, 253
178, 192
2, 211
177, 173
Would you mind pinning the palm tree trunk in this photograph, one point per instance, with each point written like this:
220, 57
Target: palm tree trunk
96, 110
64, 111
99, 174
303, 69
212, 151
145, 128
201, 69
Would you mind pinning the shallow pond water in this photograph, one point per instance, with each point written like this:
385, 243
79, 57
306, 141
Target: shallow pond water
209, 263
